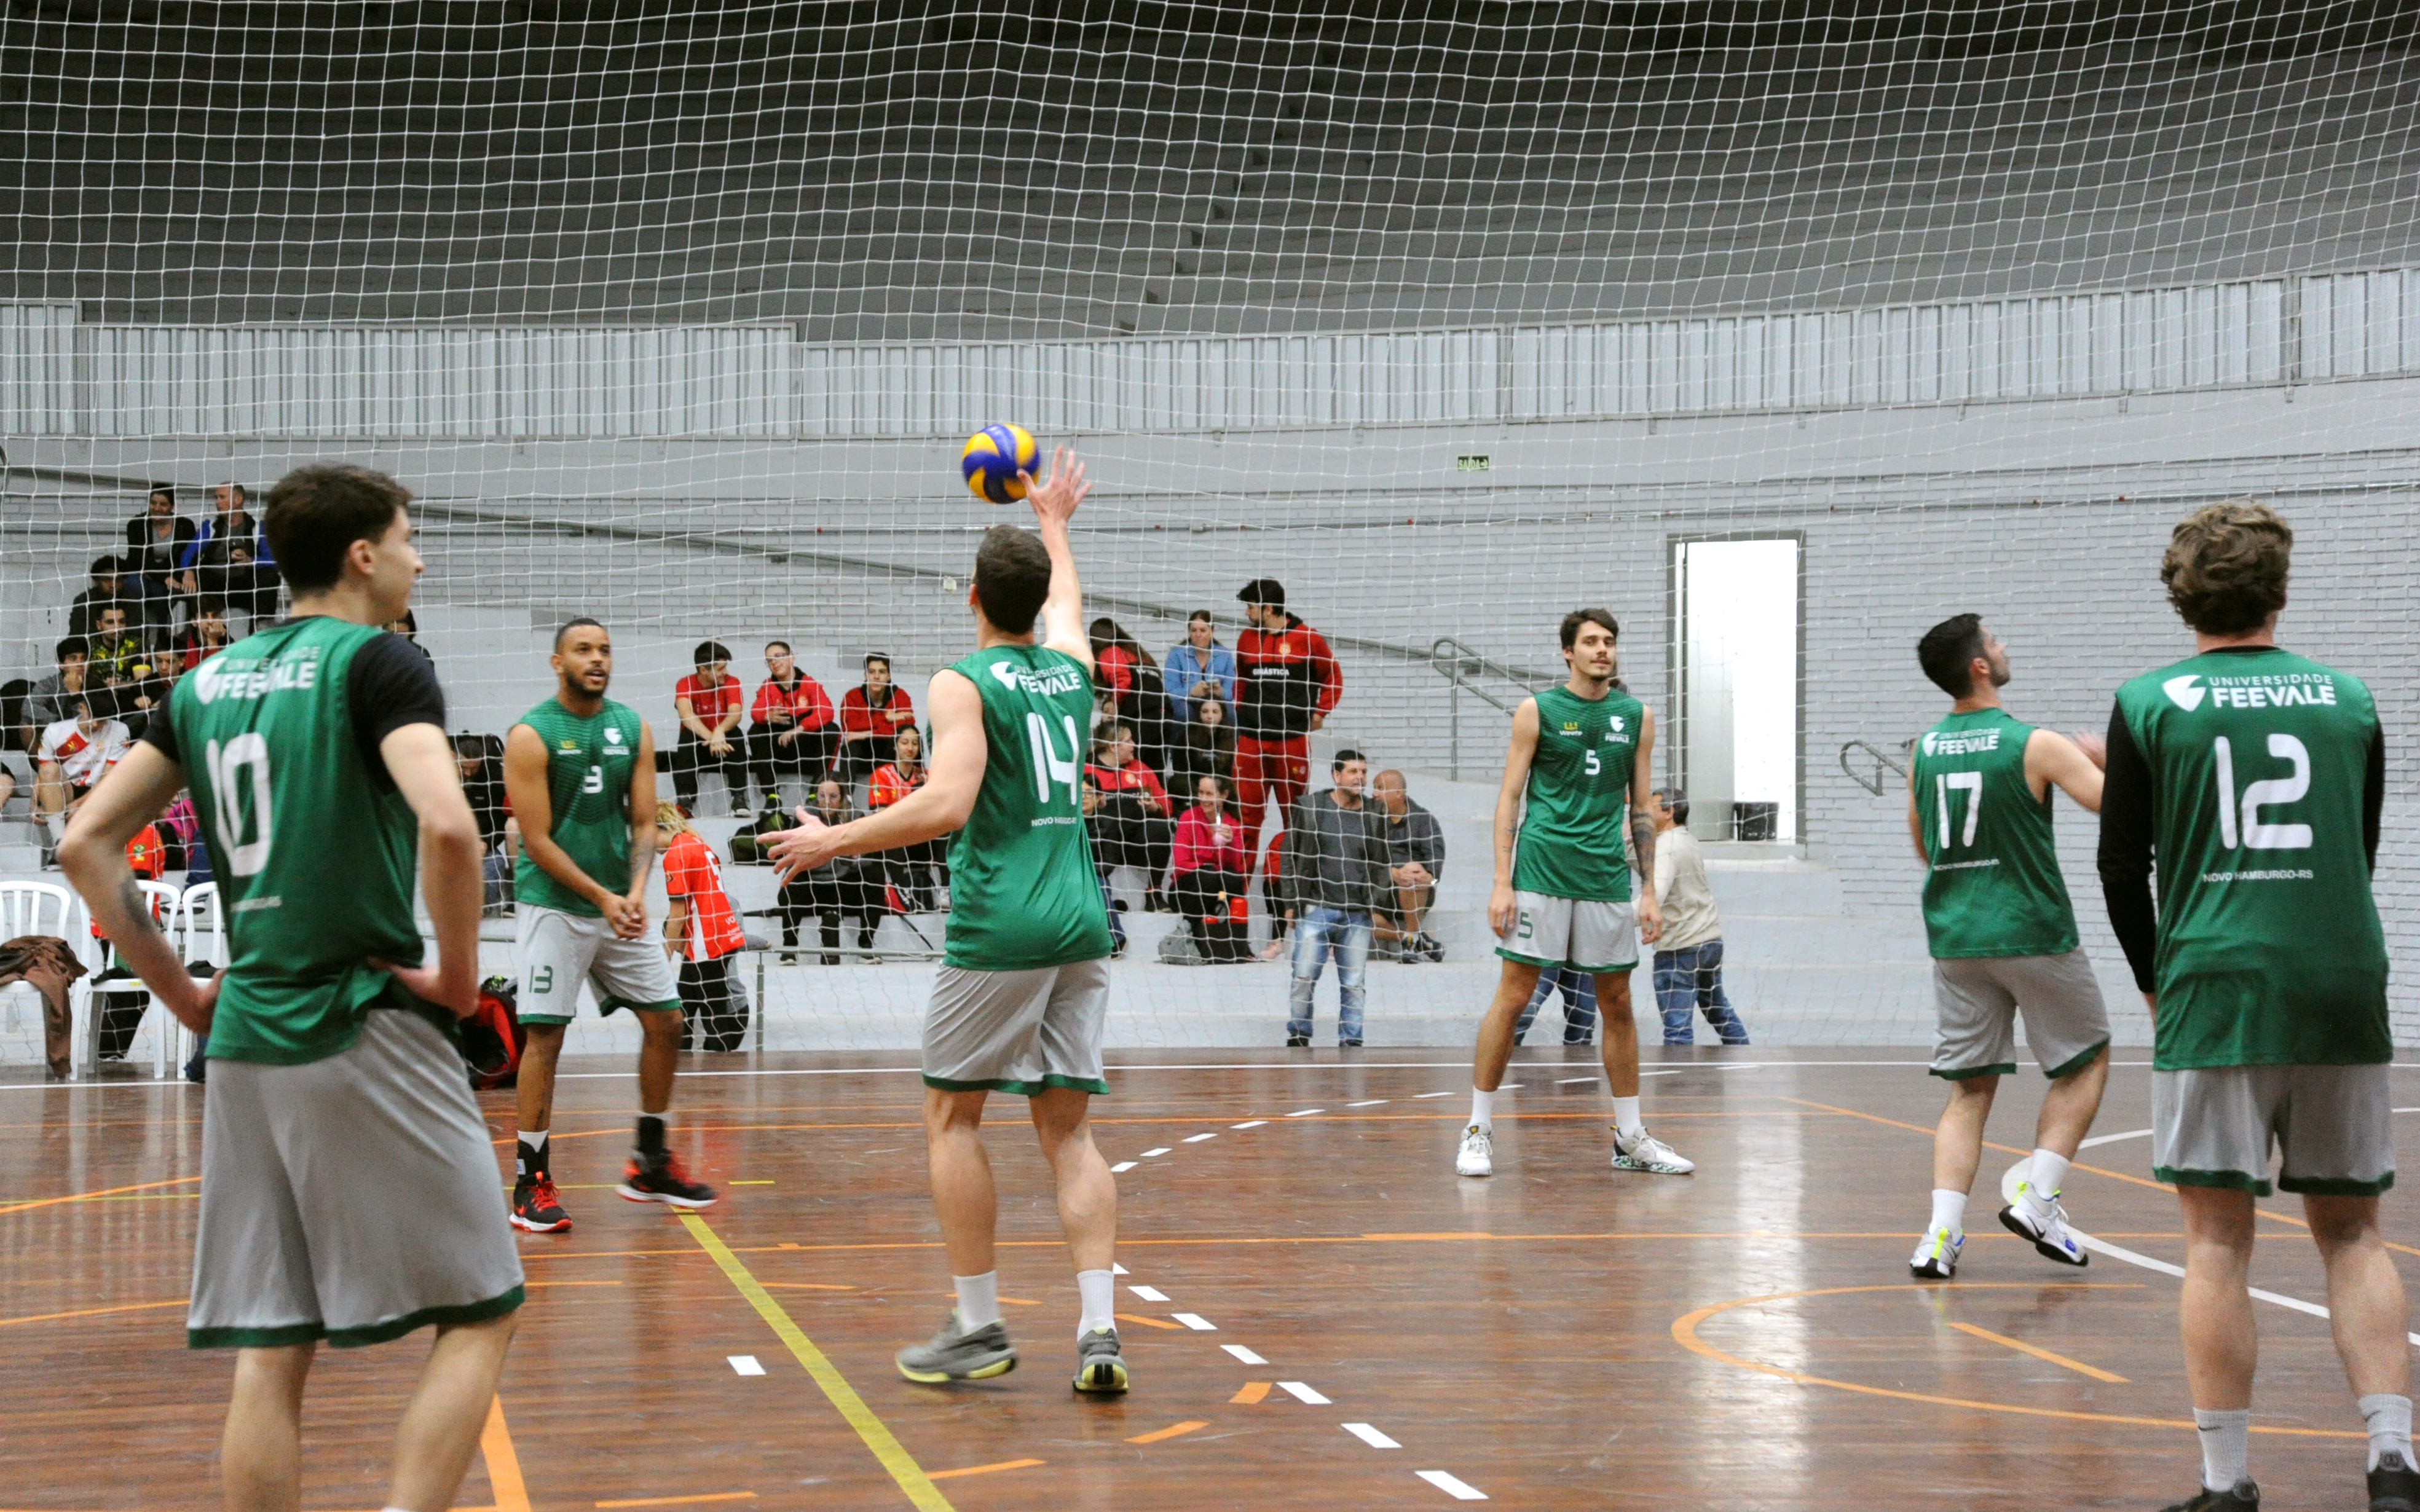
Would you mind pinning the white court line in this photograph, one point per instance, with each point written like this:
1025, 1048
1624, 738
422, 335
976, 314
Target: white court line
2118, 1253
1431, 1094
1115, 1268
1461, 1490
1371, 1436
1305, 1113
1149, 1294
1301, 1393
2111, 1139
1241, 1353
746, 1365
1367, 1103
1195, 1140
1254, 1124
1196, 1322
1154, 1155
1568, 1080
1122, 1166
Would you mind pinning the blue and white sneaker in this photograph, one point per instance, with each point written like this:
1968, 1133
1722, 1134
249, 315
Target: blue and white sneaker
1936, 1256
2044, 1221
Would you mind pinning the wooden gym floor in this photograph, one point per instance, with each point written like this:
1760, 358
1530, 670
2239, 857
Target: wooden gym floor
1319, 1312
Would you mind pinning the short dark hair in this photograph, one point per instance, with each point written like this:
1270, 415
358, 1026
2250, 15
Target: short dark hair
784, 644
73, 645
1571, 623
705, 651
1012, 578
1947, 653
243, 494
107, 567
573, 624
2227, 565
873, 657
317, 513
1676, 803
1347, 754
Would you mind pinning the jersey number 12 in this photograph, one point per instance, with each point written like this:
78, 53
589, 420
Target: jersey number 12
2254, 835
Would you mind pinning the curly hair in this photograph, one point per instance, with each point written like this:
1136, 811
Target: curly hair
2227, 565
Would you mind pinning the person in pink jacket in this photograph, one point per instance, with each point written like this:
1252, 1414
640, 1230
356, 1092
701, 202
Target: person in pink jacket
1212, 859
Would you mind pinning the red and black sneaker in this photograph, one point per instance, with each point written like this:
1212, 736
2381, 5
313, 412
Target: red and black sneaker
537, 1206
661, 1178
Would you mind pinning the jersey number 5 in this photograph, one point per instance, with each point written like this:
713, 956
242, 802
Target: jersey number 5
1047, 768
228, 766
2256, 836
1972, 782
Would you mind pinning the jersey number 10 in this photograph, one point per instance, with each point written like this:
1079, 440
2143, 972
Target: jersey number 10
228, 766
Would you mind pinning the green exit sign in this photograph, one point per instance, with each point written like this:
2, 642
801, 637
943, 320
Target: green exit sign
1477, 462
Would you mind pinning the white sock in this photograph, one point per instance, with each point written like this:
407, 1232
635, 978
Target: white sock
2390, 1426
1949, 1211
1099, 1289
2225, 1448
2044, 1180
1482, 1109
978, 1300
1625, 1117
57, 825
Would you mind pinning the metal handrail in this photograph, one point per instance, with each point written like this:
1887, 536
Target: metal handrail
1458, 664
1882, 761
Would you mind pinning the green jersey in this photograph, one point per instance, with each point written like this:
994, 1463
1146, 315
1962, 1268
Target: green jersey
1992, 887
588, 765
1570, 843
1022, 889
313, 855
2270, 949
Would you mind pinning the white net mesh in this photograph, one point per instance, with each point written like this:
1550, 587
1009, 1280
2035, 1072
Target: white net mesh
1782, 339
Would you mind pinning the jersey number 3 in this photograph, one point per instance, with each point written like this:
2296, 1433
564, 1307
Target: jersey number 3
245, 755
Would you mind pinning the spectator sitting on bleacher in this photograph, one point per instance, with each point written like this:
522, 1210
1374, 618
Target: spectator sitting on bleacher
205, 638
790, 727
1415, 861
1199, 667
55, 697
1212, 867
480, 760
708, 703
155, 539
135, 691
74, 755
870, 715
112, 648
1132, 827
228, 564
111, 588
1208, 748
845, 885
909, 869
1132, 692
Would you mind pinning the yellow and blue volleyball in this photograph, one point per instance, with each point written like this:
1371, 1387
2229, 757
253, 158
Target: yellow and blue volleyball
993, 457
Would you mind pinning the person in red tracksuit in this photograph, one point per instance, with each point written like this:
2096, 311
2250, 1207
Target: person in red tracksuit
1286, 680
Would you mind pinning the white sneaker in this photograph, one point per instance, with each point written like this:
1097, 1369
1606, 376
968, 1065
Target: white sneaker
1477, 1156
2044, 1221
1645, 1152
1936, 1256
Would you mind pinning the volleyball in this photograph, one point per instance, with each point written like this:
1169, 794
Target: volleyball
993, 457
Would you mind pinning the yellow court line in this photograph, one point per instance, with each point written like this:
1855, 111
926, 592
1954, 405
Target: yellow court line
681, 1501
87, 1197
985, 1470
2039, 1353
504, 1463
1254, 1390
93, 1312
922, 1492
1171, 1431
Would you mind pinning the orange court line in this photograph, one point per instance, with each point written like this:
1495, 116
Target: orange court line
681, 1501
504, 1463
1147, 1323
984, 1470
1684, 1332
1171, 1431
106, 1192
2039, 1353
1254, 1390
94, 1312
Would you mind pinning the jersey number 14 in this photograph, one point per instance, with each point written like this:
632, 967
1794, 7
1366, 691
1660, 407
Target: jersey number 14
1049, 769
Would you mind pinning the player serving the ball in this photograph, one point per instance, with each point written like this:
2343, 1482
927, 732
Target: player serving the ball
1024, 983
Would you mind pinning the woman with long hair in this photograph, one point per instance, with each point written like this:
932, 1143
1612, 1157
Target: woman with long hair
1213, 861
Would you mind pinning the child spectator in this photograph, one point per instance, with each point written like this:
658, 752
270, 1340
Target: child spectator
708, 703
908, 869
791, 731
870, 715
1132, 827
701, 933
1213, 866
1199, 668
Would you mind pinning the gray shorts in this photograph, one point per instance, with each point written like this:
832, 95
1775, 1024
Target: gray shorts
1571, 931
560, 950
2217, 1125
351, 1200
1018, 1032
1977, 999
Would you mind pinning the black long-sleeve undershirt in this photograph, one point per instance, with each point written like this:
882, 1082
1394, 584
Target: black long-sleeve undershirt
2129, 808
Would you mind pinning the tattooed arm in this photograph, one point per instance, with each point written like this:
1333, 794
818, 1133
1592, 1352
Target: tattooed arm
93, 856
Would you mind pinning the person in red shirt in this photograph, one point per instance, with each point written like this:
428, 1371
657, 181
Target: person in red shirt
120, 1016
909, 869
870, 715
707, 703
1213, 866
790, 727
203, 639
1132, 825
701, 934
1286, 682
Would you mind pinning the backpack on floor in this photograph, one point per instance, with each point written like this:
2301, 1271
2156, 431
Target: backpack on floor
492, 1036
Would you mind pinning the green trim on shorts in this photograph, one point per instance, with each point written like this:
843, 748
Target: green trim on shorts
1968, 1074
1094, 1085
606, 1009
2226, 1181
1545, 964
353, 1338
2334, 1186
543, 1020
1081, 1084
2069, 1068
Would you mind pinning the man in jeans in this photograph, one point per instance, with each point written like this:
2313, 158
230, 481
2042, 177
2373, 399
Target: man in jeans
1689, 956
1336, 859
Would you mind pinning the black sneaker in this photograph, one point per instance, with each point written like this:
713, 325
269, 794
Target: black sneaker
661, 1179
1348, 1044
1099, 1364
2394, 1485
2245, 1497
537, 1206
1297, 1042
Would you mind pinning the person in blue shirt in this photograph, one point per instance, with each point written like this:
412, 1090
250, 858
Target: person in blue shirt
1200, 664
228, 565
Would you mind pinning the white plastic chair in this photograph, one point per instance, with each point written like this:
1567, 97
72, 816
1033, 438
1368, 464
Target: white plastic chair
33, 908
201, 934
166, 899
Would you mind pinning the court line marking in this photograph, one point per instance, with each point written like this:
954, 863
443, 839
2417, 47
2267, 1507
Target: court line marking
679, 1500
1196, 1322
1251, 1394
1461, 1490
1149, 1294
1420, 1096
1172, 1430
2039, 1353
504, 1461
87, 1197
1151, 1323
1240, 1352
1367, 1102
1302, 1392
918, 1487
2112, 1139
96, 1312
1371, 1436
1684, 1332
2118, 1252
1305, 1113
985, 1470
1254, 1124
744, 1364
1195, 1140
1122, 1166
1154, 1155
